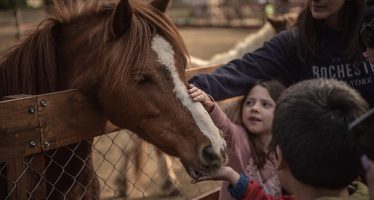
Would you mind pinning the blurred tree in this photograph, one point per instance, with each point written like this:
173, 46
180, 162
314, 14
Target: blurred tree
11, 4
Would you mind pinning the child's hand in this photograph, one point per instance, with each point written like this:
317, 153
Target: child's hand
221, 174
200, 96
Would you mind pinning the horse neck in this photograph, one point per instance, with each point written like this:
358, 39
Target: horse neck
78, 47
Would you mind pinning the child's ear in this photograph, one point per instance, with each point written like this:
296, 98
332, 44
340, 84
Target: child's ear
280, 163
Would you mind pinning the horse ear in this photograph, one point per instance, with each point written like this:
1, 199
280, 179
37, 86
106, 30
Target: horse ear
121, 18
161, 5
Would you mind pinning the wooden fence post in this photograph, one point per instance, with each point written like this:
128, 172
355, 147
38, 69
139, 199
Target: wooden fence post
25, 175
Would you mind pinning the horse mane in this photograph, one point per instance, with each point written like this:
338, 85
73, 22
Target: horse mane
146, 22
22, 68
68, 10
30, 66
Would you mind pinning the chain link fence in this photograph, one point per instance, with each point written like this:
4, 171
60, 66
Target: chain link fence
128, 166
121, 165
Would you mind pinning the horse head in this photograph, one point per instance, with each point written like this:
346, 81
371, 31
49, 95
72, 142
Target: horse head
130, 60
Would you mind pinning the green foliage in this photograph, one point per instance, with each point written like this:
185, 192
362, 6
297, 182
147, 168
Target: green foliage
11, 4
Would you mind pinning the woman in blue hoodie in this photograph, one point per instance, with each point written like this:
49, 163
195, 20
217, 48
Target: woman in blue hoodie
324, 44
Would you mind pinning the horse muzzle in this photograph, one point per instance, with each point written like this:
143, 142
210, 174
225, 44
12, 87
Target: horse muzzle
209, 161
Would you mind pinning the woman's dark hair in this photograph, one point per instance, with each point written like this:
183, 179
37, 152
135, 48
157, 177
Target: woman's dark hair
311, 31
367, 33
275, 89
369, 2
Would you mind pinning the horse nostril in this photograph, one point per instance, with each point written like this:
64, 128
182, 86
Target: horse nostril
210, 156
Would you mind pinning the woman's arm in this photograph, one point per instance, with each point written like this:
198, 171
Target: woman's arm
277, 59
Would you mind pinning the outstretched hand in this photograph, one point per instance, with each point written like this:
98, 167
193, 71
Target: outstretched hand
222, 174
200, 96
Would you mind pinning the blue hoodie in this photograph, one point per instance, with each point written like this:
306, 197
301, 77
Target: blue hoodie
278, 59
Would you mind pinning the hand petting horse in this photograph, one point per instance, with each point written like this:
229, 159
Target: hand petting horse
129, 60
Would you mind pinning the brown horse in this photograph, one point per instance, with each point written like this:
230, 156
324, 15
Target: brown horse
129, 60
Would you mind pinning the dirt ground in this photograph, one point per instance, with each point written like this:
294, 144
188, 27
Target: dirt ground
108, 151
206, 42
201, 42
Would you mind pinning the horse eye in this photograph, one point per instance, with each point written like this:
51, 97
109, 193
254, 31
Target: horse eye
142, 79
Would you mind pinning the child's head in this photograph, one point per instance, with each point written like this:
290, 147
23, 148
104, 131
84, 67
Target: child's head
257, 113
311, 135
258, 105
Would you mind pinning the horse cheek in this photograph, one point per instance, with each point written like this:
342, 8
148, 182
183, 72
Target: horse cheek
114, 108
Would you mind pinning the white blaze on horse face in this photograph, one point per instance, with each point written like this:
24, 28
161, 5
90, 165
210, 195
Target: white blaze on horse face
165, 54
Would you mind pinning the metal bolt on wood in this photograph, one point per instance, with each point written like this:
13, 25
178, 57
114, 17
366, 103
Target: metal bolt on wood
43, 103
32, 143
47, 144
31, 109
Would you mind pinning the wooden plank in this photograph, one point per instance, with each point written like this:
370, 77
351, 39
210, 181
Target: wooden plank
67, 118
190, 72
29, 177
19, 127
211, 195
232, 108
20, 144
58, 119
18, 115
17, 96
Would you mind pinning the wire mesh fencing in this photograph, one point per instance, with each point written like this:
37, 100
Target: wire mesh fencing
118, 165
128, 166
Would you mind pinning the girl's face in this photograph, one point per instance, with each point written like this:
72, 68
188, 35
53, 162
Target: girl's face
258, 111
325, 9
